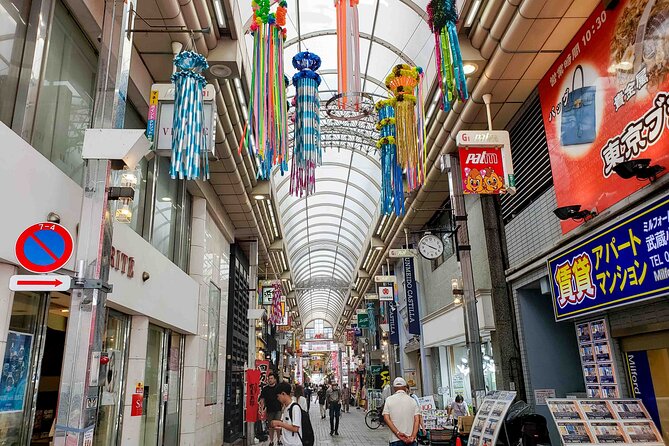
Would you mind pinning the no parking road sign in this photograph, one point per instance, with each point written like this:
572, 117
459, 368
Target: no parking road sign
44, 247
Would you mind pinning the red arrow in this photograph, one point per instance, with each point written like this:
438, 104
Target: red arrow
54, 282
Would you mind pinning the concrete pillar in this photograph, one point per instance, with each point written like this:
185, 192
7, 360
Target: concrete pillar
139, 333
506, 352
6, 302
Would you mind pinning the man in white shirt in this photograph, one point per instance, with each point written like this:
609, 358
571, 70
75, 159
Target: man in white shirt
290, 423
402, 415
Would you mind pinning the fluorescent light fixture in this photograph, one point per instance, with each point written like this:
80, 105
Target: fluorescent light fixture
472, 13
64, 310
379, 248
220, 18
469, 68
166, 199
259, 197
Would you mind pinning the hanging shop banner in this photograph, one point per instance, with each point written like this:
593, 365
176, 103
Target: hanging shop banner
350, 336
267, 295
644, 381
363, 320
386, 293
15, 371
605, 101
263, 367
594, 421
394, 335
411, 290
252, 394
482, 170
623, 263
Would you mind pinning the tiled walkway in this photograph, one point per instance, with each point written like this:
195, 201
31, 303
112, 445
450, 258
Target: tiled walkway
352, 430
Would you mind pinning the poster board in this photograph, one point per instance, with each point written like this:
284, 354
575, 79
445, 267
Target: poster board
597, 359
490, 418
596, 421
15, 372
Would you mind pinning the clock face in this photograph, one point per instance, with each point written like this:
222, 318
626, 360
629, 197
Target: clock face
430, 246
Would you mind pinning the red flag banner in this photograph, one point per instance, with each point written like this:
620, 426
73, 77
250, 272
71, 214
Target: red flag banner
252, 394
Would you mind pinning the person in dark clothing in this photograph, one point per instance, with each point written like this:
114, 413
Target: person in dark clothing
321, 399
307, 395
269, 401
333, 398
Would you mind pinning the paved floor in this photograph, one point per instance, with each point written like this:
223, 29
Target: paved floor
352, 430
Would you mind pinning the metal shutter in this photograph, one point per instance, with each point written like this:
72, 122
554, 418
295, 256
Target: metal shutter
531, 163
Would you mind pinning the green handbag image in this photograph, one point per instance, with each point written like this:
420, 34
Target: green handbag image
579, 121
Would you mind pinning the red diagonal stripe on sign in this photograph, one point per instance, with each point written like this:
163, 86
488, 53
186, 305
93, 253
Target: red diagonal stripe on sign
44, 247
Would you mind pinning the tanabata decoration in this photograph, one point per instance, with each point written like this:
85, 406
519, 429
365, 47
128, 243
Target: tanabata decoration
267, 131
189, 147
348, 51
371, 313
442, 18
276, 315
406, 85
392, 185
306, 148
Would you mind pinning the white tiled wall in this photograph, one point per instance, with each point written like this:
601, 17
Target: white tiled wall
533, 230
209, 263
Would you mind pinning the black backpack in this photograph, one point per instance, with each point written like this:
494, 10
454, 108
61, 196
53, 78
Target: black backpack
307, 438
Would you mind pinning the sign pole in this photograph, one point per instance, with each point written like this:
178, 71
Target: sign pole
472, 333
85, 329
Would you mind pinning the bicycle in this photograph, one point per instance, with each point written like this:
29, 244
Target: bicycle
374, 419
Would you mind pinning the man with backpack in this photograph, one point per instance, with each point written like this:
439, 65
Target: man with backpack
333, 398
294, 424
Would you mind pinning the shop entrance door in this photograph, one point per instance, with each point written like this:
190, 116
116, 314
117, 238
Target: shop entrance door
647, 357
162, 388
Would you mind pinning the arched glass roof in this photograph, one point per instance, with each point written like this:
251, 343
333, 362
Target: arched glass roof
325, 234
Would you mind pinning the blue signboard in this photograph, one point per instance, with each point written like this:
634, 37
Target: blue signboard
641, 380
411, 290
392, 323
623, 263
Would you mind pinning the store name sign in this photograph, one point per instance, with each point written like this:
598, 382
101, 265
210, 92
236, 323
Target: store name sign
122, 262
623, 263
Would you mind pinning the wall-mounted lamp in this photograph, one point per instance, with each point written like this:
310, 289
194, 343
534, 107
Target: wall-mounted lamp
573, 212
639, 169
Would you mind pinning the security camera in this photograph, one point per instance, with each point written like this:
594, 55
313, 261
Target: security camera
573, 212
53, 217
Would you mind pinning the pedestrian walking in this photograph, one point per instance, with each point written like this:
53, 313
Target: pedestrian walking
402, 415
322, 392
307, 395
345, 397
290, 419
333, 398
269, 402
298, 396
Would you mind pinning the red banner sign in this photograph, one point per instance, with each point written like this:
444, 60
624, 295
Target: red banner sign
605, 101
263, 367
482, 170
137, 407
252, 395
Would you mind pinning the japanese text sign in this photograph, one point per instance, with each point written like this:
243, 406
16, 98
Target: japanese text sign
625, 262
252, 394
605, 101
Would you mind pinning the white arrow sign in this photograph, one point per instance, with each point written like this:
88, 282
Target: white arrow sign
53, 282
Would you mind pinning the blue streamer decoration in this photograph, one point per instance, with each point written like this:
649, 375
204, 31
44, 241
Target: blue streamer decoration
307, 154
392, 184
189, 143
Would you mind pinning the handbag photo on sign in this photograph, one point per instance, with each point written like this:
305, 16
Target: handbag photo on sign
578, 115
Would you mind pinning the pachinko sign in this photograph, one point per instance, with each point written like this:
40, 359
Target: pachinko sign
606, 101
623, 263
485, 162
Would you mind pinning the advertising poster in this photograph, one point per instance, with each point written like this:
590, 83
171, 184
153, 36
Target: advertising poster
624, 262
640, 374
15, 371
112, 383
490, 418
482, 170
597, 362
411, 378
589, 421
605, 101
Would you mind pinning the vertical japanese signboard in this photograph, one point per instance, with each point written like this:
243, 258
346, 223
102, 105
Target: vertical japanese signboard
394, 335
625, 262
411, 290
604, 101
